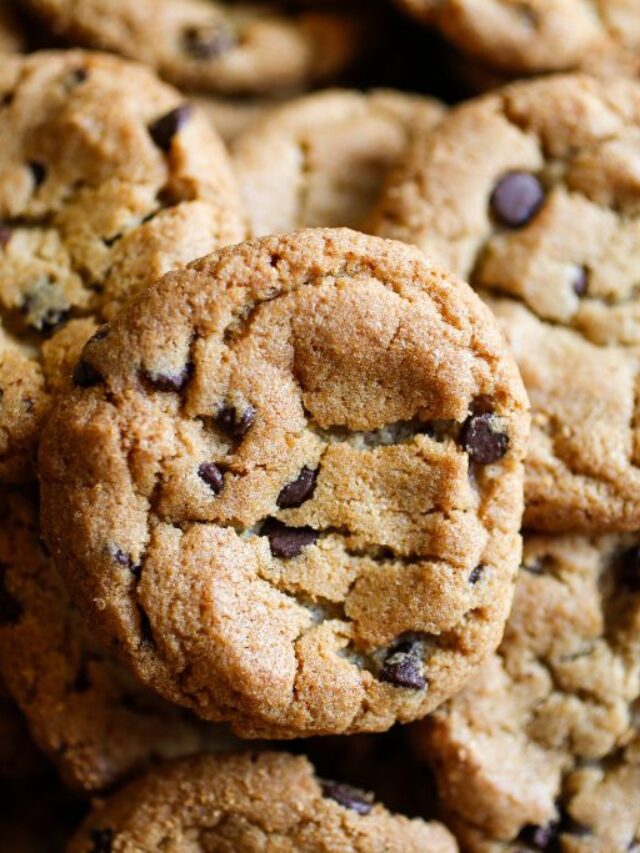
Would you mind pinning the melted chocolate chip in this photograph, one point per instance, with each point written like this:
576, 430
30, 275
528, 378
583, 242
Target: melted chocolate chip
5, 235
234, 423
580, 282
540, 837
294, 494
476, 574
166, 127
402, 668
482, 440
101, 840
38, 173
212, 476
628, 569
207, 41
516, 199
85, 375
10, 607
348, 796
169, 381
287, 542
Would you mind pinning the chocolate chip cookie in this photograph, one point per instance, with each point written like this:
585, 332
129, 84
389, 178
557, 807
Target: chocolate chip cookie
542, 750
108, 179
531, 193
250, 802
539, 35
321, 160
223, 47
83, 709
288, 484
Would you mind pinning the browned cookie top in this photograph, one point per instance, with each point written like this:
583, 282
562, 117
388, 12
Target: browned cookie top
108, 179
230, 48
533, 194
288, 484
321, 160
94, 721
542, 750
270, 801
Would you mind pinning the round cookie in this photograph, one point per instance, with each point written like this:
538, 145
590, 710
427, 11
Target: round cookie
542, 750
321, 160
95, 722
294, 472
539, 35
108, 179
246, 803
531, 193
228, 48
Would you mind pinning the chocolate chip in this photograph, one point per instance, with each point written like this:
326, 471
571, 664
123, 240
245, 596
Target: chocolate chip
287, 542
123, 559
294, 494
348, 796
476, 574
77, 76
402, 668
10, 607
166, 127
540, 837
580, 282
5, 235
212, 476
85, 375
38, 172
207, 41
101, 840
482, 440
628, 569
516, 199
234, 423
169, 381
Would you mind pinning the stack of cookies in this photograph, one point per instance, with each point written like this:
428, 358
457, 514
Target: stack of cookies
319, 415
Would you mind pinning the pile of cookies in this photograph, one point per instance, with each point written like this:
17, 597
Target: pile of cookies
319, 415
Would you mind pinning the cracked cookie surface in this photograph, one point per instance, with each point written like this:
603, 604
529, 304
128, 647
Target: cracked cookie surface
251, 802
294, 472
87, 713
531, 194
228, 48
321, 160
542, 750
108, 179
601, 36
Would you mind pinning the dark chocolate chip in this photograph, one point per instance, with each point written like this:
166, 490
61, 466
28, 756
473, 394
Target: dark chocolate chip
85, 375
212, 476
122, 558
348, 796
402, 667
38, 172
516, 199
10, 607
169, 381
234, 423
77, 76
207, 41
5, 235
166, 127
101, 840
294, 494
540, 837
482, 440
476, 574
580, 282
287, 542
628, 569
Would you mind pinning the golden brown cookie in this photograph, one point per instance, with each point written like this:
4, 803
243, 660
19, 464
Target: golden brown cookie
542, 750
532, 193
89, 715
269, 801
223, 47
321, 160
108, 179
288, 484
